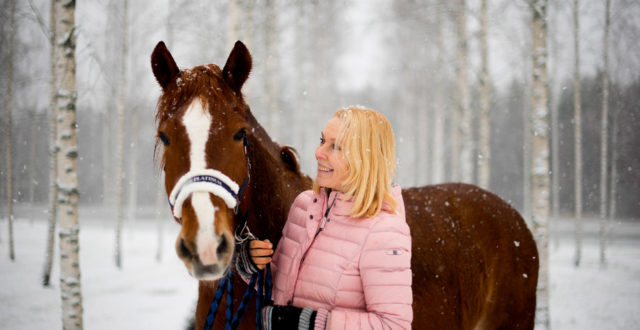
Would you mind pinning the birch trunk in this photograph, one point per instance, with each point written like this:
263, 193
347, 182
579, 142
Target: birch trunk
540, 157
67, 171
462, 156
439, 116
604, 136
120, 144
613, 189
577, 114
132, 181
234, 22
484, 129
8, 130
33, 129
270, 71
53, 158
161, 198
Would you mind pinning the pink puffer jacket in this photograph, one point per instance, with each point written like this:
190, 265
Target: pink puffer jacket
358, 269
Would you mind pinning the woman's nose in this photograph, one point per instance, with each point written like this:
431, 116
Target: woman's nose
320, 153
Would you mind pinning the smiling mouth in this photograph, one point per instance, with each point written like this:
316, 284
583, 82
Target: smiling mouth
324, 169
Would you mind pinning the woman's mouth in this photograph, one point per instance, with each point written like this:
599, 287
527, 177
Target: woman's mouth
324, 169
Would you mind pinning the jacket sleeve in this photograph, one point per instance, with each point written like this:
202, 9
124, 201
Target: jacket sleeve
385, 271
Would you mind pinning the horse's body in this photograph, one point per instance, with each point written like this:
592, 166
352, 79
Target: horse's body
474, 261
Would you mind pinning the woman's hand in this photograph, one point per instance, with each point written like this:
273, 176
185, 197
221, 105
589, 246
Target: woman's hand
260, 252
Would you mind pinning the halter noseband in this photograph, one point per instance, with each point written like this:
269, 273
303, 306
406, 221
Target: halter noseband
211, 181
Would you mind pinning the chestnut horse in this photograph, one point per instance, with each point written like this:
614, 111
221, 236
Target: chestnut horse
474, 261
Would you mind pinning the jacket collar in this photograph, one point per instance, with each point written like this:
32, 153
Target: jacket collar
344, 203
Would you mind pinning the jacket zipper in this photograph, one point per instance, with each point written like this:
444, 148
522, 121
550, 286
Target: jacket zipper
322, 224
304, 256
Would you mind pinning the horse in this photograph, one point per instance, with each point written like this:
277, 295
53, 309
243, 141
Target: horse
474, 261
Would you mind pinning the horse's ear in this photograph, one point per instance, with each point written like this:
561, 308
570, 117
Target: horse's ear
163, 65
236, 70
290, 159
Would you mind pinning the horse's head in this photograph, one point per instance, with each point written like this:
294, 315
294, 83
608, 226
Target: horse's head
202, 128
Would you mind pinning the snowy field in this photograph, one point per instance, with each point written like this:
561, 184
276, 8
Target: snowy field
160, 295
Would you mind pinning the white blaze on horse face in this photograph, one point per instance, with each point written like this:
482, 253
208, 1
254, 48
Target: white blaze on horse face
197, 122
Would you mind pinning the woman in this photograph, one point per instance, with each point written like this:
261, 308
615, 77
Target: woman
344, 259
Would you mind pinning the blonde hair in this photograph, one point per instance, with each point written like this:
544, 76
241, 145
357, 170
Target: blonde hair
368, 145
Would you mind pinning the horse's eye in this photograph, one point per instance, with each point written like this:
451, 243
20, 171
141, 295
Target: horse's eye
163, 137
239, 135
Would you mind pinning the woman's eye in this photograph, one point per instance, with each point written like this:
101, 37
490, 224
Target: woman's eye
322, 140
163, 137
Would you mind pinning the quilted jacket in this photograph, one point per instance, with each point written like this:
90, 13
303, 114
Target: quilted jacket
357, 269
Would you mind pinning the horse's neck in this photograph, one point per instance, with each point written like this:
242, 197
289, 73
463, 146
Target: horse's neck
272, 191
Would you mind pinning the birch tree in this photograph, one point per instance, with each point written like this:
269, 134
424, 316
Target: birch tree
438, 159
462, 140
604, 134
120, 143
8, 130
53, 156
33, 124
270, 76
540, 156
160, 190
67, 174
484, 129
234, 22
132, 204
577, 117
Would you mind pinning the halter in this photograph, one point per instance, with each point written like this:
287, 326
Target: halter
211, 181
220, 185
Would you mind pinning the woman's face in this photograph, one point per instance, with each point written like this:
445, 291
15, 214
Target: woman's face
332, 166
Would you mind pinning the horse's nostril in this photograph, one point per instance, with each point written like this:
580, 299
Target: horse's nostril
223, 246
183, 250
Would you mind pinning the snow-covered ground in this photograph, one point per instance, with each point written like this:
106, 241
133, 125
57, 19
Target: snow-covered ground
160, 295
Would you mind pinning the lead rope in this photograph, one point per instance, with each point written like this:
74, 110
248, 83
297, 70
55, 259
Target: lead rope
264, 293
263, 299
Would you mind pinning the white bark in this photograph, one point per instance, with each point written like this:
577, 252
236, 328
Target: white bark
484, 129
33, 129
234, 22
132, 205
613, 189
107, 178
53, 160
604, 136
120, 143
438, 160
67, 171
577, 113
540, 157
8, 139
463, 144
270, 76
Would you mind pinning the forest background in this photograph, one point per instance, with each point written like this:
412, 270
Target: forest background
454, 78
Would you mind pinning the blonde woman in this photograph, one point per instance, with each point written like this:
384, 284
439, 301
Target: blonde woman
344, 259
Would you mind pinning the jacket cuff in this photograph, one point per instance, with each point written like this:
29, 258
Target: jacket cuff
321, 319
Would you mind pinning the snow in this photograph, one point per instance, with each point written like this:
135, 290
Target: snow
161, 295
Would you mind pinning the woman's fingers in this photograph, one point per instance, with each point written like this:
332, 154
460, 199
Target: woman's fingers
260, 252
266, 244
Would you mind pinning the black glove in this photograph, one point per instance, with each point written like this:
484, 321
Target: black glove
287, 318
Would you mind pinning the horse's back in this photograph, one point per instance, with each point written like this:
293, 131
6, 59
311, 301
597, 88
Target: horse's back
475, 262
